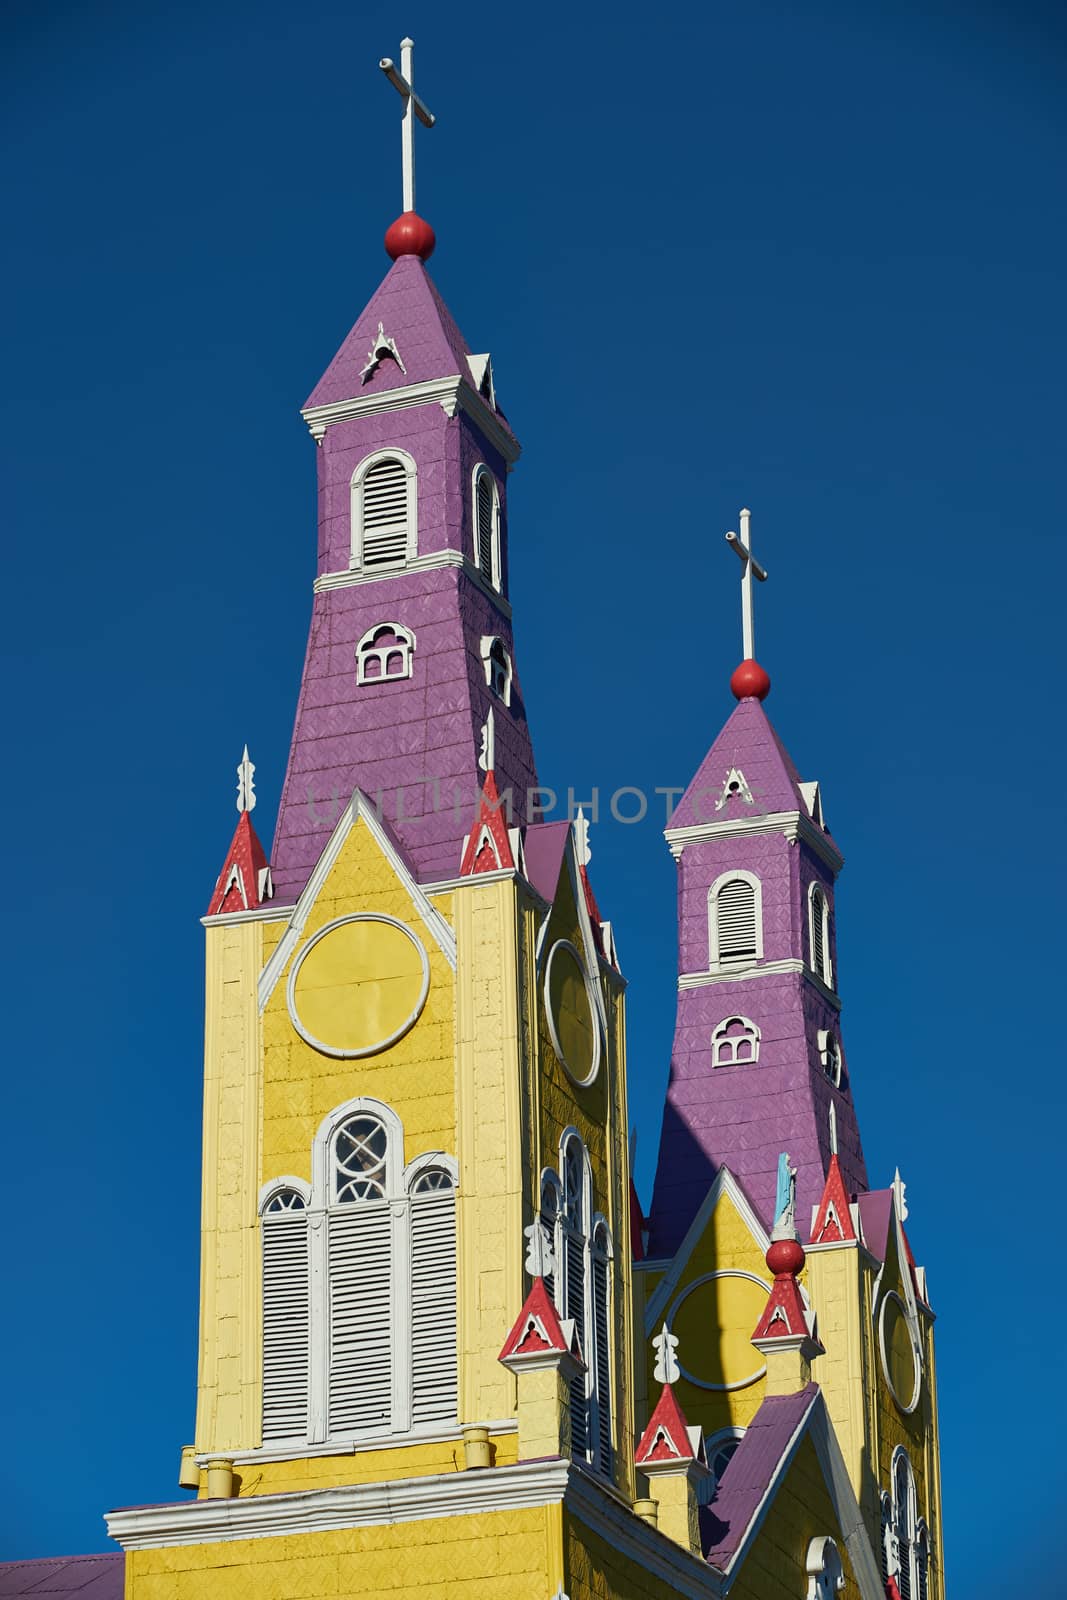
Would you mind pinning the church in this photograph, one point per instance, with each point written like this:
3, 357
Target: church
444, 1347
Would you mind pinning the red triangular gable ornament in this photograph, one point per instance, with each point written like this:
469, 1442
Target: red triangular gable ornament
537, 1330
667, 1436
488, 848
783, 1315
833, 1215
245, 881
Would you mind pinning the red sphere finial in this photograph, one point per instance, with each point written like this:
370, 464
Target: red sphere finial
410, 235
749, 680
785, 1257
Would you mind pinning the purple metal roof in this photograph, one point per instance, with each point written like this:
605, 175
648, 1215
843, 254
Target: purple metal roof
875, 1209
88, 1577
415, 317
543, 848
724, 1523
748, 741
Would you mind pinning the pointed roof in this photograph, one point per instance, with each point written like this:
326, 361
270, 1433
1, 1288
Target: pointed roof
100, 1577
833, 1215
245, 881
488, 847
412, 315
764, 1448
747, 747
537, 1330
784, 1316
543, 846
668, 1436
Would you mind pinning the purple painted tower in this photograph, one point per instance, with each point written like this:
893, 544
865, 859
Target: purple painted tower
757, 1065
410, 640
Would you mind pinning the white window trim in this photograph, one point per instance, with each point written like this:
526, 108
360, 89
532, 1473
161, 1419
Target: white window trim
319, 1203
366, 647
719, 1037
276, 1185
590, 1222
488, 641
714, 964
493, 578
356, 508
827, 1037
712, 1444
815, 888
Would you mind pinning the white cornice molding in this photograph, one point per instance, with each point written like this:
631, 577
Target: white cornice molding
351, 578
451, 394
269, 913
651, 1551
764, 969
351, 1505
793, 824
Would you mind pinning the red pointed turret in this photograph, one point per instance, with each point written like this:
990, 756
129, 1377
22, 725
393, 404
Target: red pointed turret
488, 847
538, 1331
668, 1436
833, 1215
785, 1322
245, 880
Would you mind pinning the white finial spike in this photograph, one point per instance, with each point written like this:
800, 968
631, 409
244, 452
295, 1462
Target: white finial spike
833, 1129
581, 838
246, 790
899, 1189
487, 755
540, 1262
404, 83
665, 1344
750, 568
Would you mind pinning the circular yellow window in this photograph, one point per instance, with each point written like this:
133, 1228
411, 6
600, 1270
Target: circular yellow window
358, 985
571, 1013
901, 1361
713, 1319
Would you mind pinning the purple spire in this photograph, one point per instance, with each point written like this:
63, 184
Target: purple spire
757, 1062
411, 641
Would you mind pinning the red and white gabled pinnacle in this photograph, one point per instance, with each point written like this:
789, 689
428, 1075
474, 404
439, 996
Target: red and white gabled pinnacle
832, 1222
539, 1334
488, 847
668, 1440
785, 1322
245, 881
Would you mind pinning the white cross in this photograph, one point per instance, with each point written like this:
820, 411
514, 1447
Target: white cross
404, 83
750, 568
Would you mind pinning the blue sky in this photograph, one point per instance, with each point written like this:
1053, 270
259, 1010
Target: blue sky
805, 259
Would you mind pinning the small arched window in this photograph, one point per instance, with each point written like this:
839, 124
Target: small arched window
601, 1259
383, 512
433, 1296
735, 917
384, 652
819, 935
735, 1043
830, 1055
497, 664
906, 1550
487, 525
720, 1449
286, 1314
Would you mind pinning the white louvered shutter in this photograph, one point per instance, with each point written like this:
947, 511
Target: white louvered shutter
602, 1343
385, 514
735, 908
360, 1384
433, 1307
286, 1350
818, 942
574, 1246
484, 515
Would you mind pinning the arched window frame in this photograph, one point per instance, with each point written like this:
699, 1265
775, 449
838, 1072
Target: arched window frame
732, 963
367, 648
819, 924
713, 1443
551, 1212
577, 1254
411, 513
830, 1057
393, 1218
482, 474
286, 1306
724, 1045
602, 1255
902, 1543
496, 662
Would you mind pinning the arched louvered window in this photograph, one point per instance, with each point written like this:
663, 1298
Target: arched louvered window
360, 1268
384, 652
819, 935
601, 1262
735, 920
383, 512
286, 1365
487, 525
735, 1043
360, 1309
433, 1297
906, 1535
573, 1266
497, 664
